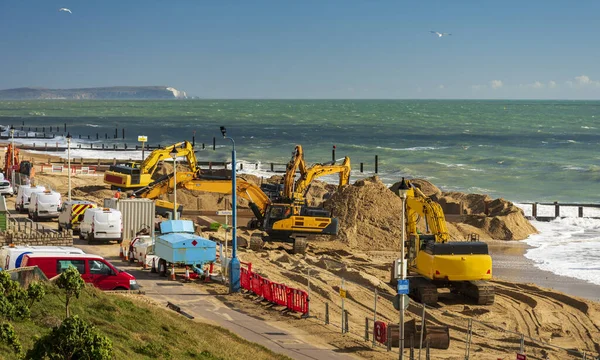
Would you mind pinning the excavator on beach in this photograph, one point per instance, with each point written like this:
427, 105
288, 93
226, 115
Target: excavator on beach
286, 222
12, 163
133, 175
436, 262
295, 190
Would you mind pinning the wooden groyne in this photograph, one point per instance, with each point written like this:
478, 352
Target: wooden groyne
557, 210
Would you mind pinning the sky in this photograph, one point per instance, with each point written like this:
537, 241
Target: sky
313, 49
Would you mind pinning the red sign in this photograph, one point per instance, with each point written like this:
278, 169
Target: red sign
380, 332
521, 356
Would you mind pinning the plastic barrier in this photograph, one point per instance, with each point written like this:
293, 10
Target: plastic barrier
297, 300
256, 284
279, 292
267, 291
245, 278
380, 332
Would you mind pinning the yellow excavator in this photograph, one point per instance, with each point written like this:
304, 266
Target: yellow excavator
134, 175
281, 221
295, 190
436, 262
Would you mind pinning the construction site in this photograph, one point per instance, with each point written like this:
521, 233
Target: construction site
340, 245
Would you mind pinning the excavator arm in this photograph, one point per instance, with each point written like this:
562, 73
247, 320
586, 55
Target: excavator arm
417, 204
318, 170
183, 148
297, 162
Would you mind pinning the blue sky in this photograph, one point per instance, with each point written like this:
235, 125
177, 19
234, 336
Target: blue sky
307, 49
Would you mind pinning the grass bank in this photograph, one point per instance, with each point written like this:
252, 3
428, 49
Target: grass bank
138, 330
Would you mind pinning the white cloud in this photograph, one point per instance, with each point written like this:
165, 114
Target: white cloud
582, 81
496, 84
552, 84
441, 86
537, 85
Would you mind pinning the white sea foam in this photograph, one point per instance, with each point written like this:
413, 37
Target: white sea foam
568, 246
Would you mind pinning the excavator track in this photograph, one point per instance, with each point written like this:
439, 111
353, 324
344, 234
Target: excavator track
481, 291
423, 291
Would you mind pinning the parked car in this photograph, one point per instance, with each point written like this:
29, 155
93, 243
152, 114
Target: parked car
72, 213
23, 194
44, 204
6, 188
101, 224
11, 256
94, 269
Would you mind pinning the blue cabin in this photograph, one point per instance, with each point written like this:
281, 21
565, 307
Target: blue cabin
177, 243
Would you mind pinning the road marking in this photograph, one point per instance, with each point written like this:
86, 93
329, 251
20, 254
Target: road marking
226, 316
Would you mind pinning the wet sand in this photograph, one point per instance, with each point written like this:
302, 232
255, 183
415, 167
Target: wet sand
510, 264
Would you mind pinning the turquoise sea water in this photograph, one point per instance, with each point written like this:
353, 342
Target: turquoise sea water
518, 150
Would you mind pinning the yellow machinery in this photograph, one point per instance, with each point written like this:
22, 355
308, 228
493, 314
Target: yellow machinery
281, 221
296, 190
435, 262
135, 176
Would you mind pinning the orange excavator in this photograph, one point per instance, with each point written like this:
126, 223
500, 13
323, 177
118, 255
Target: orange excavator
13, 164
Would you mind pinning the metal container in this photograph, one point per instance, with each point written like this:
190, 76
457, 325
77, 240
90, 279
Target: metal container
137, 214
179, 244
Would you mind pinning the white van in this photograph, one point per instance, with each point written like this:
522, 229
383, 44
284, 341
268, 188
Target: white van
11, 256
23, 194
44, 204
101, 224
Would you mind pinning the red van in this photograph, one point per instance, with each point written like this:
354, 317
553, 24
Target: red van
94, 269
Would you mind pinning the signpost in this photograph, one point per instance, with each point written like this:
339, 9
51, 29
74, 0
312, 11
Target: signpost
226, 213
142, 139
403, 286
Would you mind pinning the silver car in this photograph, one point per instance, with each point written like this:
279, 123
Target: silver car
6, 188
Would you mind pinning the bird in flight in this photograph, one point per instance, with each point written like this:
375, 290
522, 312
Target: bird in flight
65, 10
439, 34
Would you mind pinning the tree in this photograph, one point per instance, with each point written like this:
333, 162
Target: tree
72, 283
73, 339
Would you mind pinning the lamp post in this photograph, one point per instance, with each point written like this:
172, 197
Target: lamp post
69, 162
403, 190
234, 264
12, 161
173, 154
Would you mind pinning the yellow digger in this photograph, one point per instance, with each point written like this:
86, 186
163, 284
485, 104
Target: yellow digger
435, 262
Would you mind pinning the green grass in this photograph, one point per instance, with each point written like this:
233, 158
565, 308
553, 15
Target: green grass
137, 330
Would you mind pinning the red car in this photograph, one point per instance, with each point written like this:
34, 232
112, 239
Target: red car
94, 269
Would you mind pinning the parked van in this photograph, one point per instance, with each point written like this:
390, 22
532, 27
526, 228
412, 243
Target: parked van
12, 256
72, 213
94, 269
44, 204
101, 224
23, 194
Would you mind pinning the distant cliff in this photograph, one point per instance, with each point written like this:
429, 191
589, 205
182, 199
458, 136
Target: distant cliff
100, 93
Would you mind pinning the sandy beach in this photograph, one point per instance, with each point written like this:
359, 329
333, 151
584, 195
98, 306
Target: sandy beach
555, 310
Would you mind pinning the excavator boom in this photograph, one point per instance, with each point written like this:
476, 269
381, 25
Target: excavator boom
318, 170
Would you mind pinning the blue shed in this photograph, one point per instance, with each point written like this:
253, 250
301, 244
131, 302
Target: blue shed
178, 244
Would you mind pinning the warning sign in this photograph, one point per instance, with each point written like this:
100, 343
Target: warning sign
343, 293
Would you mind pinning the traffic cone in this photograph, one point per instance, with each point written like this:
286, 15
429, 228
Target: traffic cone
127, 255
210, 270
173, 273
187, 274
121, 252
145, 265
153, 269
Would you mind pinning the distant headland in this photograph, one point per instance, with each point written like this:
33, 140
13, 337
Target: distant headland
96, 93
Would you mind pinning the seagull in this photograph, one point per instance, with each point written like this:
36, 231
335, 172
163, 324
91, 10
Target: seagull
439, 34
65, 10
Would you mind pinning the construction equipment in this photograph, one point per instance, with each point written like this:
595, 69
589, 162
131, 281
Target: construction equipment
296, 190
281, 221
435, 262
134, 176
12, 163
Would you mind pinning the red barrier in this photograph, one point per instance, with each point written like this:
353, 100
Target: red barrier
266, 290
297, 300
245, 278
279, 292
256, 284
380, 332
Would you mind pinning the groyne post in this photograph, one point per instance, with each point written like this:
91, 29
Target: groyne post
106, 135
534, 210
214, 143
580, 211
333, 154
376, 163
202, 146
96, 136
65, 127
361, 167
556, 209
116, 133
123, 133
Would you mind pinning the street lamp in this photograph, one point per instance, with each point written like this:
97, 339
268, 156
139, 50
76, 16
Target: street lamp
403, 191
69, 162
234, 264
12, 162
173, 154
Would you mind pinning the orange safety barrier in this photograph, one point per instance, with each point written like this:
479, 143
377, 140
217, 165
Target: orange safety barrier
256, 284
245, 278
279, 292
297, 301
267, 291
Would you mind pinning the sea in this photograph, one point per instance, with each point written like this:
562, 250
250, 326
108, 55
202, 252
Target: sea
522, 151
